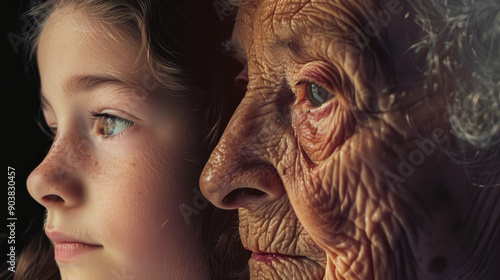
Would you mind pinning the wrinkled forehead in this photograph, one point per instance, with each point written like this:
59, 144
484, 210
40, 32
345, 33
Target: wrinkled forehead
369, 41
292, 15
354, 22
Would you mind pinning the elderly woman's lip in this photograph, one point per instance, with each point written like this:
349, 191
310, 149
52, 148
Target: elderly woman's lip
284, 253
267, 258
275, 261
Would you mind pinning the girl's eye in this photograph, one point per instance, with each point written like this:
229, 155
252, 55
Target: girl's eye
110, 125
317, 95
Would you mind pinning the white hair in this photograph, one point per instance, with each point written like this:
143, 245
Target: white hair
462, 47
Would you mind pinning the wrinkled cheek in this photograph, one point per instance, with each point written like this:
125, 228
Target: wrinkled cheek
322, 130
313, 204
313, 187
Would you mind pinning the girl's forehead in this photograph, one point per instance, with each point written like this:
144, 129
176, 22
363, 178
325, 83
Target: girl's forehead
99, 25
67, 24
71, 43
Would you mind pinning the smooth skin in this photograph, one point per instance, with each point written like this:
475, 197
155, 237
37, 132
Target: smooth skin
330, 178
118, 167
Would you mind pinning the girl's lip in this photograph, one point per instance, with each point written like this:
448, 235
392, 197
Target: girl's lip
69, 249
70, 252
58, 237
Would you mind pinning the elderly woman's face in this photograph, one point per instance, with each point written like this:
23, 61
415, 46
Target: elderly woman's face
331, 158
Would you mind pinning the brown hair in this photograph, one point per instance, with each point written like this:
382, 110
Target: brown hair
36, 261
161, 29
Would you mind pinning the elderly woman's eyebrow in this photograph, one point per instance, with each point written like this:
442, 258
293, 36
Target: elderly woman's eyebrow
290, 46
235, 49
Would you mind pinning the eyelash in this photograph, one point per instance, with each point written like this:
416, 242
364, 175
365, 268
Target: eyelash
51, 132
48, 131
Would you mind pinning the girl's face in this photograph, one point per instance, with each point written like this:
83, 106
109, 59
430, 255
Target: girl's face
118, 170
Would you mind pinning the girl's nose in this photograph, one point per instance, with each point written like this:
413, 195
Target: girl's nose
55, 182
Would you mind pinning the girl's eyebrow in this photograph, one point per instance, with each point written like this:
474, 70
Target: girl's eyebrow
85, 83
88, 82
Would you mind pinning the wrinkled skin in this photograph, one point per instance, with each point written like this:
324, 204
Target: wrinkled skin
348, 189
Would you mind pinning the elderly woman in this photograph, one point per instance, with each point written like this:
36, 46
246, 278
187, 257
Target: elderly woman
367, 144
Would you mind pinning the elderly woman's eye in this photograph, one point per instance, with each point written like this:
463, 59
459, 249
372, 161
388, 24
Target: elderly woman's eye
317, 95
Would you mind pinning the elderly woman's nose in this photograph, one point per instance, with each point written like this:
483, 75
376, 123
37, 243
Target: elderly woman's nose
55, 182
237, 173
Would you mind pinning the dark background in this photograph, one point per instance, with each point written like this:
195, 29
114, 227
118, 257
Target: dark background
25, 145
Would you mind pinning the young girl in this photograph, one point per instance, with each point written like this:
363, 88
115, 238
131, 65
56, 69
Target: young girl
120, 180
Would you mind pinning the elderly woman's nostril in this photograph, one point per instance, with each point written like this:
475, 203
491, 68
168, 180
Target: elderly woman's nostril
241, 194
